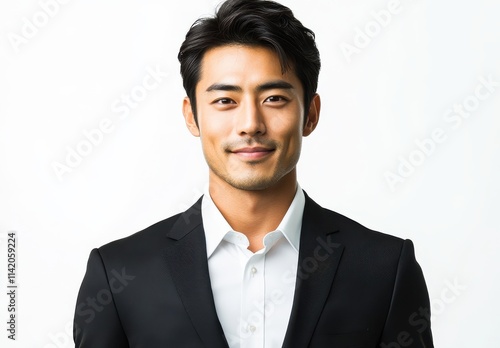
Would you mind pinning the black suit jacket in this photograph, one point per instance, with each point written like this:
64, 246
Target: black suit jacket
355, 288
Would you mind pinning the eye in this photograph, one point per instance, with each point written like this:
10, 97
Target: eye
276, 99
224, 101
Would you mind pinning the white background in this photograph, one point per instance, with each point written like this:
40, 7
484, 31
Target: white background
67, 75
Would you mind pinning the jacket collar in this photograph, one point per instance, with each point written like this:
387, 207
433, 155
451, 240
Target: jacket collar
216, 227
319, 257
186, 255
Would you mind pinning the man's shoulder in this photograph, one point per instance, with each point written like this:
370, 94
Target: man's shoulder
353, 233
364, 246
145, 240
156, 234
357, 229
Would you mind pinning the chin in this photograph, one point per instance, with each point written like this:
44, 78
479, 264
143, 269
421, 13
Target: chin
252, 184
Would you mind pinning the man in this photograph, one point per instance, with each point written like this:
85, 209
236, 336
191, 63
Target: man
255, 262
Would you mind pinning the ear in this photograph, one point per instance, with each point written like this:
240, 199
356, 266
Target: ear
312, 116
187, 110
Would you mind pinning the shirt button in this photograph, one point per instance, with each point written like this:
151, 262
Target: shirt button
252, 328
253, 270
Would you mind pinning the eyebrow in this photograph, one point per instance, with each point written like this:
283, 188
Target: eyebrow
278, 84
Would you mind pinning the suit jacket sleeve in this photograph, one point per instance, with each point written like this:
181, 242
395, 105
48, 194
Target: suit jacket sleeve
408, 320
96, 321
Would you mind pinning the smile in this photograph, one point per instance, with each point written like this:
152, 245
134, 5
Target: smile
253, 152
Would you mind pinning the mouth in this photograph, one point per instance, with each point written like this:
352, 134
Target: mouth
253, 153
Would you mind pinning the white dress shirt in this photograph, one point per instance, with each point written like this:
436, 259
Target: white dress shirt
253, 292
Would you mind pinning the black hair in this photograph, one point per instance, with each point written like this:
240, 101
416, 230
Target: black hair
254, 23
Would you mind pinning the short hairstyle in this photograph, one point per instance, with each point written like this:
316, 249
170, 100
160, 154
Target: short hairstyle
254, 23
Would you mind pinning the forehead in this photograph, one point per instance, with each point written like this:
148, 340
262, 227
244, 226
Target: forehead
243, 65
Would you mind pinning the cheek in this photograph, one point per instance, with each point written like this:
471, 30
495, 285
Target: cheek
292, 143
288, 122
213, 136
212, 129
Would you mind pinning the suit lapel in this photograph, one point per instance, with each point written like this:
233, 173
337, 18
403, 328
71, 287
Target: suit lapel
319, 257
187, 262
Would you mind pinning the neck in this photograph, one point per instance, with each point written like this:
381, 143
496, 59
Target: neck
254, 213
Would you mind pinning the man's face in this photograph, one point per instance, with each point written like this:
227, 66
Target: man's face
250, 116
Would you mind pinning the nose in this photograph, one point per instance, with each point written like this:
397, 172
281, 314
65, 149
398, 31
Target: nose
250, 120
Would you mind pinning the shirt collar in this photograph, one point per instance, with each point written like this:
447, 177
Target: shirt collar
216, 227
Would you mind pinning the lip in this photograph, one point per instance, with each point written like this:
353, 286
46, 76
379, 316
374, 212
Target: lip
253, 152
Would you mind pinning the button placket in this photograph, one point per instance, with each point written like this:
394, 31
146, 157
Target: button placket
253, 292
